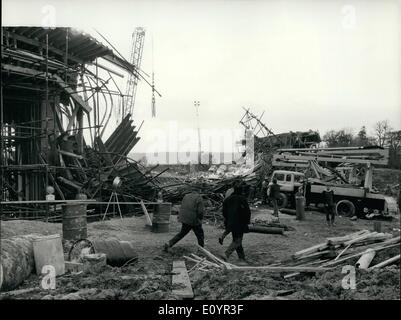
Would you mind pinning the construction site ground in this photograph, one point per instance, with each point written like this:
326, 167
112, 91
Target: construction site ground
150, 276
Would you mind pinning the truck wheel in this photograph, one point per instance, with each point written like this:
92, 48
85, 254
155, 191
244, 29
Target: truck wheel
345, 208
283, 201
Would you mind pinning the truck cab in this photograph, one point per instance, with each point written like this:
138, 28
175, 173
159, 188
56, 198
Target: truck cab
289, 181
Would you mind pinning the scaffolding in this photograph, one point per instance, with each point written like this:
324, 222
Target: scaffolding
55, 85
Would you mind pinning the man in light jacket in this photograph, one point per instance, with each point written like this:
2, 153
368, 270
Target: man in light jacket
190, 215
275, 196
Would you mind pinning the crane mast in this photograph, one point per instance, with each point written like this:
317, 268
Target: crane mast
138, 39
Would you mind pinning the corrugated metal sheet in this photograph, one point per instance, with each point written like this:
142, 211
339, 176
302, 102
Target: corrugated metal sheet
81, 47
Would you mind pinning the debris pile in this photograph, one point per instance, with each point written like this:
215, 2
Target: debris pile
212, 188
340, 250
94, 171
202, 264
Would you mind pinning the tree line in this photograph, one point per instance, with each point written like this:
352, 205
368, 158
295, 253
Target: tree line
382, 135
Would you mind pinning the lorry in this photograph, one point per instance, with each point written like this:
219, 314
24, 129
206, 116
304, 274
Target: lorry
350, 178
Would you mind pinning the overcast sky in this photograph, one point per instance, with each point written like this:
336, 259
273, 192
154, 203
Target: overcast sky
310, 65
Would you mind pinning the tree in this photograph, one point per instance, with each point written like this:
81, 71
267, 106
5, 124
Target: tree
382, 129
341, 138
362, 139
331, 138
394, 142
394, 139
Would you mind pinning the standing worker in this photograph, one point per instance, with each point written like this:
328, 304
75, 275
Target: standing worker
264, 191
328, 200
190, 215
275, 195
237, 216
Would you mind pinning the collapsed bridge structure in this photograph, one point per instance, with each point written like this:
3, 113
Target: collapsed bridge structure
58, 93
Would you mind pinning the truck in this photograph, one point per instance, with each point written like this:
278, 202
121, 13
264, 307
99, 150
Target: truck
348, 171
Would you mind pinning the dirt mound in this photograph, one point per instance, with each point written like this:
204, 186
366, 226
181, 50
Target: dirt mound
10, 229
146, 280
376, 284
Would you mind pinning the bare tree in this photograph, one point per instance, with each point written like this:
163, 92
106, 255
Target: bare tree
394, 142
382, 129
394, 139
341, 138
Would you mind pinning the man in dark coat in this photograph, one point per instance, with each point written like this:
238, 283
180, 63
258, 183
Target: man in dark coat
275, 195
328, 200
265, 185
229, 192
237, 216
190, 215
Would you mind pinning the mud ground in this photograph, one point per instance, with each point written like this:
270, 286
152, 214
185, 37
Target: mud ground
150, 276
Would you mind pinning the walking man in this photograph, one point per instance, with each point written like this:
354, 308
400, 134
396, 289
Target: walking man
328, 200
190, 215
275, 195
237, 216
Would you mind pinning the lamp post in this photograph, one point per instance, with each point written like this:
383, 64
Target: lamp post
197, 105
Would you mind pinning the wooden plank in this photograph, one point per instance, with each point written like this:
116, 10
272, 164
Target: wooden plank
196, 265
213, 257
315, 248
313, 255
342, 239
281, 269
18, 292
342, 252
377, 248
362, 237
207, 261
181, 283
386, 262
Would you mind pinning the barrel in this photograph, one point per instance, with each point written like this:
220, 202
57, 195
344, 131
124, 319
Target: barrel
74, 222
117, 252
300, 207
161, 217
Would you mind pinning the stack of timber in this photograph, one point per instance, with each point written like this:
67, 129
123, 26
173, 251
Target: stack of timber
270, 268
202, 264
336, 251
360, 246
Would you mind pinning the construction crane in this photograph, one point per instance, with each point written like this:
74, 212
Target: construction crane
153, 96
153, 86
138, 39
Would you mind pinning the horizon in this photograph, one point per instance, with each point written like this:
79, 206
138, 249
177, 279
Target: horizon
309, 65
